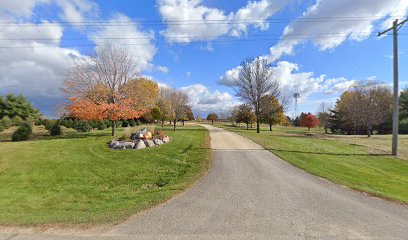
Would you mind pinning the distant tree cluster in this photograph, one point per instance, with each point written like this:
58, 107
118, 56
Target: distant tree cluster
363, 109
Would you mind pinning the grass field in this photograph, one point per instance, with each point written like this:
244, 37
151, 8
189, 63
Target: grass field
78, 180
339, 159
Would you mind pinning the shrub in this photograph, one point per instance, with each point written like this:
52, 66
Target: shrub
17, 121
125, 124
101, 125
6, 122
132, 123
23, 133
138, 122
82, 126
403, 127
1, 128
55, 130
37, 122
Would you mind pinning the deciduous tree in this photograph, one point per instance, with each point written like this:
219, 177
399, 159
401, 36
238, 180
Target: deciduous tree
254, 81
309, 120
271, 111
212, 117
108, 87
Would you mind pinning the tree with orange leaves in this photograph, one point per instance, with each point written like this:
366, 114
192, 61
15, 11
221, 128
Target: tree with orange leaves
107, 87
309, 120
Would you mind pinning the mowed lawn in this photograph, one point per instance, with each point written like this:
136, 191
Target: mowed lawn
362, 168
78, 180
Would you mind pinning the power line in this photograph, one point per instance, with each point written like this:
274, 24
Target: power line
190, 22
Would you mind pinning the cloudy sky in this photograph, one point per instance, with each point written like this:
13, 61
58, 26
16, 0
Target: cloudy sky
317, 47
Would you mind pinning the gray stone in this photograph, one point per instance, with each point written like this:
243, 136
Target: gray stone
140, 145
120, 146
166, 140
149, 143
129, 145
158, 141
114, 143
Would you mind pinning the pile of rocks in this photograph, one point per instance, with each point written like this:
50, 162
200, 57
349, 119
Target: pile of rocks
139, 140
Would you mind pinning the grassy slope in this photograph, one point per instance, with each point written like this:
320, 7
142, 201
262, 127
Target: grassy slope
357, 167
79, 180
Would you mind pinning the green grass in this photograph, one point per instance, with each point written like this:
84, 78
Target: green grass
78, 180
358, 167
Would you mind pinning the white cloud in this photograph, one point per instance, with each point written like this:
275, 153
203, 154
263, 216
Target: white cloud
163, 69
356, 20
203, 100
229, 78
188, 74
191, 20
75, 11
208, 47
143, 52
292, 80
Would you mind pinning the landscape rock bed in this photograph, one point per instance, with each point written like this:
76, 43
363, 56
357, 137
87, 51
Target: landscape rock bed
140, 140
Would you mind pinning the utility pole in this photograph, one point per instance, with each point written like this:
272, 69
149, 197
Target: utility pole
395, 112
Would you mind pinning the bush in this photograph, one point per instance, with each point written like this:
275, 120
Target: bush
101, 125
55, 130
132, 123
403, 127
23, 133
17, 121
37, 122
125, 124
1, 128
82, 126
5, 122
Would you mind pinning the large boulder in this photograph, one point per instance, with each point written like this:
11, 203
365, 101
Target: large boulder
149, 143
129, 145
120, 146
114, 143
158, 142
140, 145
166, 140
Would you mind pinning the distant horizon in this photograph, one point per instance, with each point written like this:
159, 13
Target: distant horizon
317, 48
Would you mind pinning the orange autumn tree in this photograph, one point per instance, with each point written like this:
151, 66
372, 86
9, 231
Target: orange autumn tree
309, 120
107, 87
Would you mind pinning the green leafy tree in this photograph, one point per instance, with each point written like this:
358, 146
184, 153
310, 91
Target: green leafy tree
244, 114
271, 111
12, 105
56, 130
212, 117
404, 104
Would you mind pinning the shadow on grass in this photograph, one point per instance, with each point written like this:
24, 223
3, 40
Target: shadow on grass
326, 153
67, 136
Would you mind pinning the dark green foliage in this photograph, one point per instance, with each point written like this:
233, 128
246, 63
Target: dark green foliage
403, 127
38, 122
100, 125
132, 123
404, 104
5, 122
1, 128
11, 105
48, 124
82, 126
138, 122
68, 123
55, 130
125, 123
23, 133
17, 121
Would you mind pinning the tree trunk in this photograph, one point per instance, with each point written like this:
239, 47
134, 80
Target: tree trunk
162, 123
247, 126
308, 128
258, 123
113, 128
212, 122
368, 131
175, 123
325, 129
270, 126
183, 122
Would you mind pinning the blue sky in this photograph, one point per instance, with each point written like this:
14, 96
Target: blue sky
317, 47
